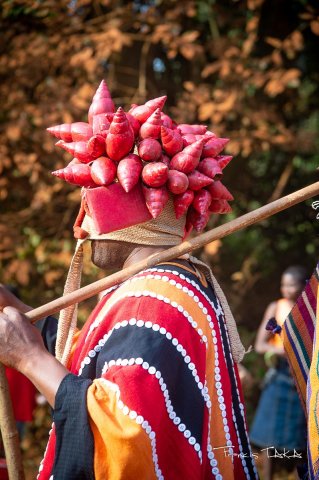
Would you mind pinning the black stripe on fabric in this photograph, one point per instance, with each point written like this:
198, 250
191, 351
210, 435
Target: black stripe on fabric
235, 402
74, 452
155, 349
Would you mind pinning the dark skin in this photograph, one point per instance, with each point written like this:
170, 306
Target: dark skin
21, 345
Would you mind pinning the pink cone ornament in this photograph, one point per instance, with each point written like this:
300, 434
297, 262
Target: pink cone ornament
149, 150
224, 160
198, 220
75, 161
152, 127
177, 182
102, 102
142, 112
156, 199
182, 202
211, 168
120, 138
69, 132
101, 123
135, 124
220, 206
77, 149
155, 174
96, 146
219, 191
198, 180
77, 174
165, 159
167, 121
133, 106
185, 128
214, 146
129, 171
172, 141
103, 171
202, 201
187, 160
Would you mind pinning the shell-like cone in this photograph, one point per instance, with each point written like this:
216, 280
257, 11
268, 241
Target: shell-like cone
129, 170
224, 160
182, 202
172, 141
120, 138
167, 121
165, 159
103, 171
198, 220
155, 174
156, 199
142, 112
102, 102
210, 167
198, 180
149, 150
177, 182
202, 201
133, 106
77, 174
220, 206
135, 124
69, 132
96, 146
101, 123
187, 160
185, 128
77, 149
152, 127
190, 138
214, 146
218, 191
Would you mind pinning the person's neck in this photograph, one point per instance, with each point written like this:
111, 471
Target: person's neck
140, 253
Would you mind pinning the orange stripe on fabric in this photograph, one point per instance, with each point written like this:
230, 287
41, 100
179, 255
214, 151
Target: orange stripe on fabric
304, 332
73, 347
297, 373
122, 449
159, 287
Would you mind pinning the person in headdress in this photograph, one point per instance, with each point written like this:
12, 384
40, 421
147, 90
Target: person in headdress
149, 388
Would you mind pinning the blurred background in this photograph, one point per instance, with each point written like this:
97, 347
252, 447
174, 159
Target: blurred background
247, 69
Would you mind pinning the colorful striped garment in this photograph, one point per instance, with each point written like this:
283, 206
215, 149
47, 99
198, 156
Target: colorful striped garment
301, 343
153, 392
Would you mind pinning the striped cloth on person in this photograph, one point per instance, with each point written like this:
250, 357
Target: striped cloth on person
153, 392
301, 343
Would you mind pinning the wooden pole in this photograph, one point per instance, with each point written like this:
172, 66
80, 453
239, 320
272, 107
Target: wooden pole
9, 432
222, 231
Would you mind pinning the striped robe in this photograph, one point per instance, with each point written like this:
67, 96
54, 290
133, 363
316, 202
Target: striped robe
153, 391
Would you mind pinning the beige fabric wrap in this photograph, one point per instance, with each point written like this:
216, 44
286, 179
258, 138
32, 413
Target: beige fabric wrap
165, 230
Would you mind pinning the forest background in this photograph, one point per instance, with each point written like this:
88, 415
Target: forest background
248, 69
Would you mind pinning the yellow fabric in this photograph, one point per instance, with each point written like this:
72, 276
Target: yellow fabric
122, 449
313, 405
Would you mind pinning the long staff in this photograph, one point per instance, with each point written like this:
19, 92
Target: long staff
222, 231
94, 288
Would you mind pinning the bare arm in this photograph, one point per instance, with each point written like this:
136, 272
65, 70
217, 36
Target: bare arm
262, 344
21, 347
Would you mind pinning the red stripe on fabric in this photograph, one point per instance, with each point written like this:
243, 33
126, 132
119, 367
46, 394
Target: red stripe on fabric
48, 461
80, 347
172, 448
